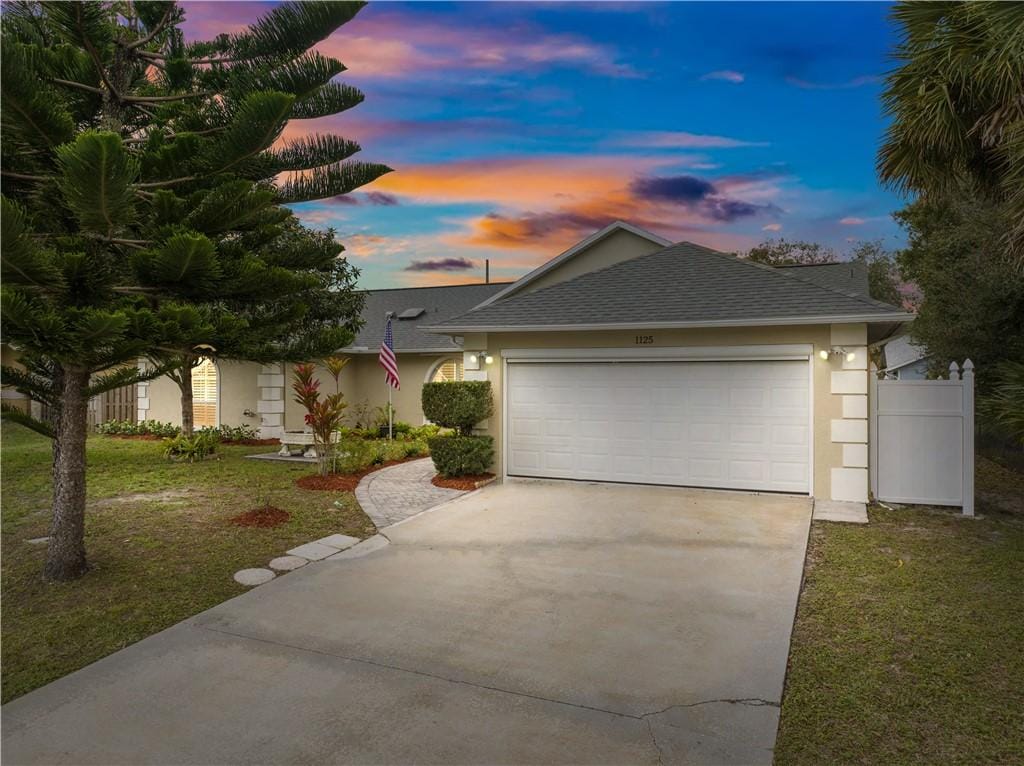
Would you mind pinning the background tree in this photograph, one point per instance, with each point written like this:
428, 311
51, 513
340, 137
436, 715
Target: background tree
973, 296
883, 273
138, 179
780, 252
956, 104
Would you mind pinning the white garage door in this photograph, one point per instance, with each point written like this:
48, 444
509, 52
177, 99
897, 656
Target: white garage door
735, 425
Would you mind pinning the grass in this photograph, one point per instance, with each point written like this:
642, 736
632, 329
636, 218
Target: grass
159, 544
909, 641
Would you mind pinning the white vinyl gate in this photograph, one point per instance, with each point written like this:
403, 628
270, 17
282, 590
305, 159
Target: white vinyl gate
922, 439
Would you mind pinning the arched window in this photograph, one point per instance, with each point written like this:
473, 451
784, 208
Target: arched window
204, 394
447, 370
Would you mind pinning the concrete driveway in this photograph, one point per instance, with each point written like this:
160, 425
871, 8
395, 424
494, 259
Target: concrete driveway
532, 622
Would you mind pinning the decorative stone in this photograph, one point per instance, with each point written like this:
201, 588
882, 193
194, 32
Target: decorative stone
341, 542
254, 576
313, 551
288, 563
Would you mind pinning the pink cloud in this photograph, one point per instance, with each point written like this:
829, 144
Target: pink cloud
772, 227
727, 75
392, 44
852, 221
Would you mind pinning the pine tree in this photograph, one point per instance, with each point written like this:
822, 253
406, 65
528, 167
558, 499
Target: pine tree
142, 201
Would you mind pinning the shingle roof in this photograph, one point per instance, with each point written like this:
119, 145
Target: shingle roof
846, 276
681, 284
439, 303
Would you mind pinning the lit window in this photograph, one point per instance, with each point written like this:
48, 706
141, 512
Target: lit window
449, 370
204, 394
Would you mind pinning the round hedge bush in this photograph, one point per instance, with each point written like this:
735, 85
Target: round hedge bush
461, 455
458, 404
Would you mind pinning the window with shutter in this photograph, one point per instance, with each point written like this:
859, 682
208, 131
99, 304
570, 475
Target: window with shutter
449, 370
204, 394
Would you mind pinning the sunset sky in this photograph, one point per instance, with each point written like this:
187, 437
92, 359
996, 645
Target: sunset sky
516, 129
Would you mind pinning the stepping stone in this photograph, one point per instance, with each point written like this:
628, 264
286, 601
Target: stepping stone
340, 542
254, 576
313, 551
288, 563
38, 541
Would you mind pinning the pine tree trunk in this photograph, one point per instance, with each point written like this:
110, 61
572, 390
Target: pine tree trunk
65, 557
187, 412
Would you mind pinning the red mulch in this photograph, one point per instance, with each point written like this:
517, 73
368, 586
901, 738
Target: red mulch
267, 516
344, 482
464, 483
252, 442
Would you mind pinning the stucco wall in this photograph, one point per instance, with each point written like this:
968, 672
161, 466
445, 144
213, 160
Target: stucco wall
616, 247
828, 406
237, 391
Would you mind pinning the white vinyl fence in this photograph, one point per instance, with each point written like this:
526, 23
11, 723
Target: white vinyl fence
922, 439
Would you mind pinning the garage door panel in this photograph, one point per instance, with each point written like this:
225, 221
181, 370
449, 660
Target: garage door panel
715, 424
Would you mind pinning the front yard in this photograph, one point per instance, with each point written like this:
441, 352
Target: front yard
159, 541
909, 640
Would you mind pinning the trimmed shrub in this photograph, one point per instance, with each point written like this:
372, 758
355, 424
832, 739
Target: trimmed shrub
461, 455
457, 404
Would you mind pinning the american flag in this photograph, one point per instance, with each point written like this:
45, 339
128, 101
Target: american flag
387, 357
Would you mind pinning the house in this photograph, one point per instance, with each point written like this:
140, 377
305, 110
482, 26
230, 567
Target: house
679, 366
237, 393
904, 359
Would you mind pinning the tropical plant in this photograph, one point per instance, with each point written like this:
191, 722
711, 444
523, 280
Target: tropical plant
192, 447
334, 365
323, 415
956, 107
1001, 411
142, 428
143, 187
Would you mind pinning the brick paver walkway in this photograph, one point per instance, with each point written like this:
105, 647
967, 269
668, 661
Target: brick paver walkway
392, 494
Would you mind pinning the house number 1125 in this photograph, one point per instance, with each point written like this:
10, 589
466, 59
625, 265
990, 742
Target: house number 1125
644, 340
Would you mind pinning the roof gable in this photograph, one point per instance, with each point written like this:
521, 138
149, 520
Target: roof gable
681, 285
615, 243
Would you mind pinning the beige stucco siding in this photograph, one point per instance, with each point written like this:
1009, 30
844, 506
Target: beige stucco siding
615, 248
236, 392
827, 406
361, 380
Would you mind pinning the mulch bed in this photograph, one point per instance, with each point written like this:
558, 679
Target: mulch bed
344, 482
267, 516
464, 483
136, 437
252, 442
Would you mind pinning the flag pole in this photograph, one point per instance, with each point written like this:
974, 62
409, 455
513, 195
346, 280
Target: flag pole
387, 317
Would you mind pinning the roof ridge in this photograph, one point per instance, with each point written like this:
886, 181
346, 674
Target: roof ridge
775, 270
432, 287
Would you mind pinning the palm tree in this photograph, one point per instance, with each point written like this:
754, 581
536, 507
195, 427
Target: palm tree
957, 104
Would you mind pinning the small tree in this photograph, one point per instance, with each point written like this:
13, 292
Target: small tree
883, 274
323, 416
459, 405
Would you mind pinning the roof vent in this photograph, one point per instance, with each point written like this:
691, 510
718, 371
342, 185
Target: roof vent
411, 313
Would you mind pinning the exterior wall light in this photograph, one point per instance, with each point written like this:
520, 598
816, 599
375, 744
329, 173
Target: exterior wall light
473, 359
488, 359
823, 354
837, 351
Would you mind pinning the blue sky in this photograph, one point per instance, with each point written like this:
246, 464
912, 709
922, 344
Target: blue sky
516, 129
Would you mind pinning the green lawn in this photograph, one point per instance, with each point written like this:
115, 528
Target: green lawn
158, 540
909, 640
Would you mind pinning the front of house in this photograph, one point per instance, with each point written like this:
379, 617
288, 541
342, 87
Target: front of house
683, 366
626, 359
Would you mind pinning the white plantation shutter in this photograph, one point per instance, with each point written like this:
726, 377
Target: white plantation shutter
204, 394
448, 371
